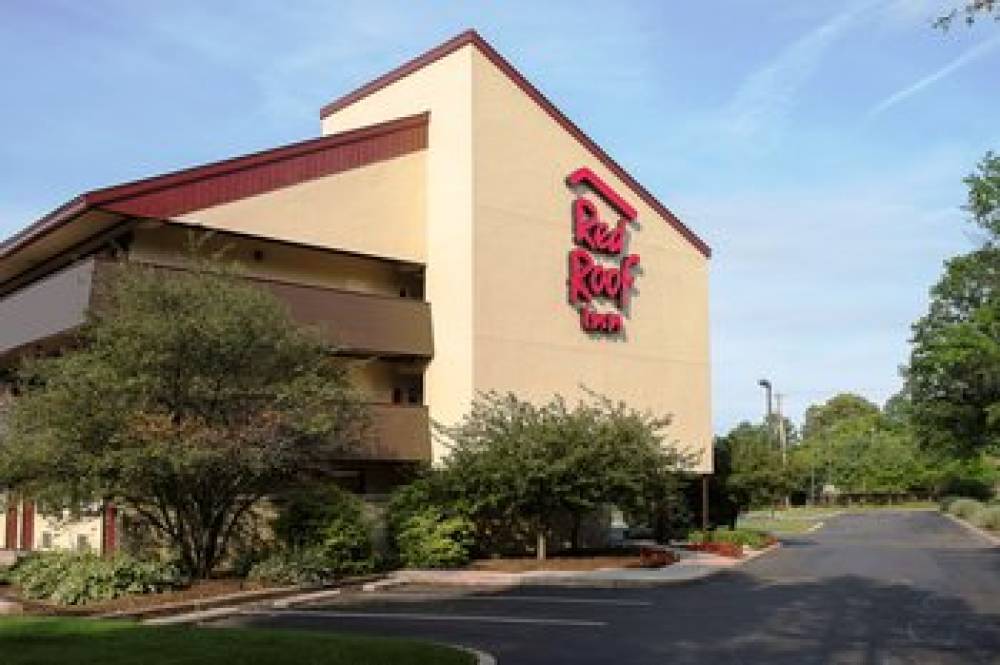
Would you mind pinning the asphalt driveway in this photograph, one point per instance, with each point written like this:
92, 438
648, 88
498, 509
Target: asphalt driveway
885, 588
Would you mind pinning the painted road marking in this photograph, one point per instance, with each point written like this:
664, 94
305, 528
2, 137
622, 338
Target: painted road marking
425, 597
419, 616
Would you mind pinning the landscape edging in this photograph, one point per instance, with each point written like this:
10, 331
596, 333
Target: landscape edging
511, 580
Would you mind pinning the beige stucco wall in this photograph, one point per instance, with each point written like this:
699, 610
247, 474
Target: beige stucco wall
526, 336
66, 531
64, 528
376, 209
167, 245
498, 215
443, 88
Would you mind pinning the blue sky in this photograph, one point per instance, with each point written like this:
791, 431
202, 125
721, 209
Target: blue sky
817, 146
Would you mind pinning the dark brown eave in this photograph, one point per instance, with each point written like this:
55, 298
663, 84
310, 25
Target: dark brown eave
175, 193
472, 37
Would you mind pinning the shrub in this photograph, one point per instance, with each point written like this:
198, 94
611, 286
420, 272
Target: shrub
303, 567
744, 537
71, 578
429, 524
321, 528
428, 539
305, 513
347, 545
987, 518
965, 508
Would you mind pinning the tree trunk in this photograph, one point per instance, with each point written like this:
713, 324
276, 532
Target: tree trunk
540, 545
575, 533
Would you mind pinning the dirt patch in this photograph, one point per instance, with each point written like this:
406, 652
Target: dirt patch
201, 590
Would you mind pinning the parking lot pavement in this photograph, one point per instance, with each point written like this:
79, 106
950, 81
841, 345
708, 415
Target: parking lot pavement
879, 588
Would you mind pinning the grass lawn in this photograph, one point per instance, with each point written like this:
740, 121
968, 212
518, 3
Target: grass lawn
42, 641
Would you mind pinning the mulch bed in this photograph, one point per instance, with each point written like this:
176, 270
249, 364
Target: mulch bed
200, 590
577, 563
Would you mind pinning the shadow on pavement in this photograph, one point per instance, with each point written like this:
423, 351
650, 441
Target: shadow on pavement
735, 617
846, 619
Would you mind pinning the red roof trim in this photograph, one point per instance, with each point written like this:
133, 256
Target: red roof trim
473, 38
220, 182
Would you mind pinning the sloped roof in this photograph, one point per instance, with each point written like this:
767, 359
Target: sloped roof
471, 37
180, 192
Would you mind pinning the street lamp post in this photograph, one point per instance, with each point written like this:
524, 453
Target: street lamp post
766, 385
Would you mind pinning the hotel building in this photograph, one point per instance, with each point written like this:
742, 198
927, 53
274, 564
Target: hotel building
451, 231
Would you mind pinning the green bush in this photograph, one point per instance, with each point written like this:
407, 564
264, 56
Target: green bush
428, 539
429, 503
305, 513
965, 508
323, 533
347, 545
70, 578
303, 567
746, 537
987, 518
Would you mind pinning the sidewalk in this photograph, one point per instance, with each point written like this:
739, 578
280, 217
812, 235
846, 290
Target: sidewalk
692, 566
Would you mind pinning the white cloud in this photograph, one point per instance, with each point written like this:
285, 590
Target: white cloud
767, 95
972, 54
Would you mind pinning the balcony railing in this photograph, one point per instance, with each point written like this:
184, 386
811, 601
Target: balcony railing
399, 432
357, 323
48, 308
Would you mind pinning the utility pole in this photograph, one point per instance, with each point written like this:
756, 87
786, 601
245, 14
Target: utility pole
766, 385
782, 439
812, 477
781, 432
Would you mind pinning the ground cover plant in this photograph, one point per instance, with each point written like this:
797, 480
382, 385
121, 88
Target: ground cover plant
70, 578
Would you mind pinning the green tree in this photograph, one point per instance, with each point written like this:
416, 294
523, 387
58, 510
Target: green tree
517, 463
189, 397
954, 371
844, 406
860, 449
757, 474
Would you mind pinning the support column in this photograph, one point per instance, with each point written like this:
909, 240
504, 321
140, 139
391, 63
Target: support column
10, 526
109, 529
27, 525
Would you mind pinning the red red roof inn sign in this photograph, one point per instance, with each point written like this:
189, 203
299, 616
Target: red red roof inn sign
599, 268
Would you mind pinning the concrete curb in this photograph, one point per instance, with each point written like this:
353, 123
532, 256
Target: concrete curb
206, 607
982, 533
576, 580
